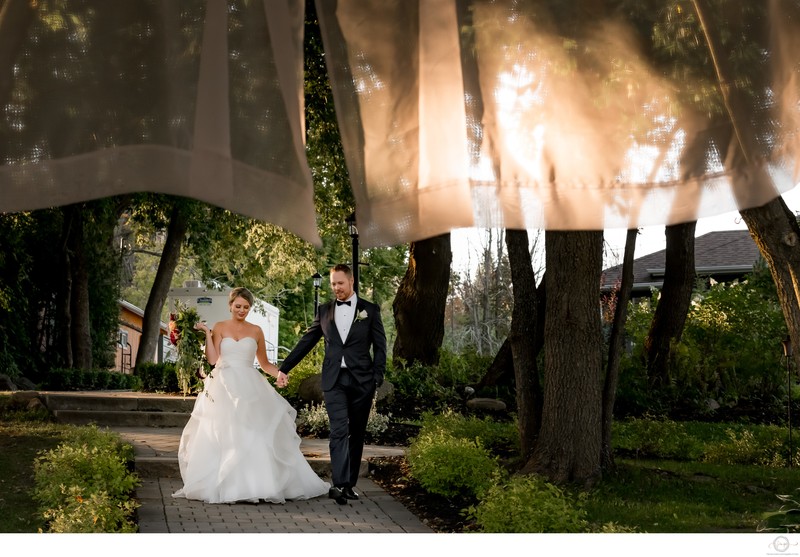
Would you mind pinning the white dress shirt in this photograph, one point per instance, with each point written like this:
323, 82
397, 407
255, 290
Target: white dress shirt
343, 316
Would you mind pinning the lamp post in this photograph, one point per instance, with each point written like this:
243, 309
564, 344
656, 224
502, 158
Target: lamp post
787, 352
351, 226
317, 278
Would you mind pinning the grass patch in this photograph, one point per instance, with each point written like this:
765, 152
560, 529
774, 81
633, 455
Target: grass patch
666, 496
22, 435
61, 478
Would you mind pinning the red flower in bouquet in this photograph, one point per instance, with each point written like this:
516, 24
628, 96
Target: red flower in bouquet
174, 333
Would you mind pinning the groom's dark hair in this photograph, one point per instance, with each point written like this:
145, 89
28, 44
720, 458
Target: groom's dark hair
343, 268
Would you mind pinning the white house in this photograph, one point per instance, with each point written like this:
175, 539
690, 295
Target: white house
212, 306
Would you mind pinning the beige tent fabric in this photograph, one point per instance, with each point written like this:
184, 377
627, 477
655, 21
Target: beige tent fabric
503, 113
453, 113
191, 98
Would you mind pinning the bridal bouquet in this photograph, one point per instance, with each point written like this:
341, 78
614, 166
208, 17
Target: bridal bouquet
189, 343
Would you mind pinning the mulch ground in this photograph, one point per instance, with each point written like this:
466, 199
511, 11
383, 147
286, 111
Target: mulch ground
441, 514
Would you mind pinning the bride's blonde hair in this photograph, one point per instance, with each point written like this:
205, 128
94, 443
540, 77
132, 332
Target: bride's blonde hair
241, 292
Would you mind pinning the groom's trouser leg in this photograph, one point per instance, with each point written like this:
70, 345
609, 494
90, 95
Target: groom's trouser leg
360, 405
336, 406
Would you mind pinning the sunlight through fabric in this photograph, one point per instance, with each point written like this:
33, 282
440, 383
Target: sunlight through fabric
522, 114
576, 118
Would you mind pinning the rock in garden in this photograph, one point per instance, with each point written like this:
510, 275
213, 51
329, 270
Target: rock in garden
310, 389
486, 404
385, 390
6, 384
35, 404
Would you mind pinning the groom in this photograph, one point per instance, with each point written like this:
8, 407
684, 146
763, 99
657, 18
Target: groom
351, 327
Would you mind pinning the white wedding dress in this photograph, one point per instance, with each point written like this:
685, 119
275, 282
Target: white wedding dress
240, 443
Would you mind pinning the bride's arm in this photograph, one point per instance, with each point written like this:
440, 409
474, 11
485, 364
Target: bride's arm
213, 339
261, 354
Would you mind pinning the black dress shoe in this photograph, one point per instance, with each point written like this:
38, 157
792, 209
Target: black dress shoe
348, 493
336, 494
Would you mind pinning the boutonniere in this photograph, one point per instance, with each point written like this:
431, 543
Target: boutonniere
361, 315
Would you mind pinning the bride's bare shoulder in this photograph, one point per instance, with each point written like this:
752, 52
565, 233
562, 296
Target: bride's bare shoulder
222, 326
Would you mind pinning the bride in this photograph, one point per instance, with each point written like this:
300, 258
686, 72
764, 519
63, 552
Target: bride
240, 443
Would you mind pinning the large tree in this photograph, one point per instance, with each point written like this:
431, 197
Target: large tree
180, 213
569, 445
522, 340
673, 306
615, 342
421, 300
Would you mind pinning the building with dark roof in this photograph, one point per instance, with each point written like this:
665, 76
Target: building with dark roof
723, 256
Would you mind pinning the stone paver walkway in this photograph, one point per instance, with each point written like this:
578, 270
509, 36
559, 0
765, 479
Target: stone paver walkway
375, 512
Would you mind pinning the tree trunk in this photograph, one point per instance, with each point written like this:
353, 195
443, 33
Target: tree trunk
63, 314
501, 368
81, 328
615, 347
421, 299
775, 231
569, 443
673, 305
522, 338
151, 323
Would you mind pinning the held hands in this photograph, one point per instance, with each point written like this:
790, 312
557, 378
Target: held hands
282, 379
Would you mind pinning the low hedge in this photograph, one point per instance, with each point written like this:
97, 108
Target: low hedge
87, 380
155, 377
86, 484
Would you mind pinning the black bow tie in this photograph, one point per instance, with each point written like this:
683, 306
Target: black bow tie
338, 303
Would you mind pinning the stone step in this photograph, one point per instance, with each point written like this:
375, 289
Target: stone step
116, 401
122, 418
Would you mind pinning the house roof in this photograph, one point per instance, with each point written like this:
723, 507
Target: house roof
722, 254
140, 312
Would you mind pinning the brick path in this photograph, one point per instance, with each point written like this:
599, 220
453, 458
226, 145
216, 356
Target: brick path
156, 461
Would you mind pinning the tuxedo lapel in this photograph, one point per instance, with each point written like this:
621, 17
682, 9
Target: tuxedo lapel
330, 318
360, 306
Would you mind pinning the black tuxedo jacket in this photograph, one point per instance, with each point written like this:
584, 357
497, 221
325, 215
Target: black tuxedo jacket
364, 351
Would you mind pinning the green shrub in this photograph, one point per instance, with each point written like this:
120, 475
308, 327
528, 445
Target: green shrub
729, 352
124, 381
655, 438
308, 367
763, 446
496, 436
155, 377
419, 388
69, 379
451, 466
96, 513
85, 481
61, 380
103, 440
529, 504
313, 420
